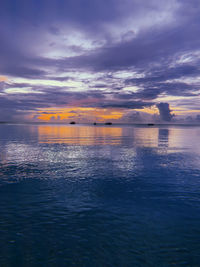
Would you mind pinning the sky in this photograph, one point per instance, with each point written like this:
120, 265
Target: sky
100, 60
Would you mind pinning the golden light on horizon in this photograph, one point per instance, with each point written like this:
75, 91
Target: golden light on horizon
90, 114
72, 113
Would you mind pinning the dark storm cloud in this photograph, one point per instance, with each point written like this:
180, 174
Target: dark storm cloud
153, 90
167, 73
21, 71
49, 97
125, 104
148, 48
25, 16
165, 112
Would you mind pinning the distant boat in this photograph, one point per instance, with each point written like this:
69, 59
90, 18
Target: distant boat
108, 123
72, 122
95, 123
150, 124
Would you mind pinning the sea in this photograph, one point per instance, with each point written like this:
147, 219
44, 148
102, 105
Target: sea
99, 196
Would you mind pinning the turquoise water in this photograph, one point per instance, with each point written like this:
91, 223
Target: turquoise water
99, 196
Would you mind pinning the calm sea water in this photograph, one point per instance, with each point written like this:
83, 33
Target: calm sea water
99, 196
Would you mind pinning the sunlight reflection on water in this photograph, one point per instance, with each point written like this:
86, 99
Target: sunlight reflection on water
79, 135
99, 195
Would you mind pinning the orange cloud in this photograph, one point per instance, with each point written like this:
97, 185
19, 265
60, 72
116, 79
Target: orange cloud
58, 116
91, 114
3, 79
152, 110
88, 114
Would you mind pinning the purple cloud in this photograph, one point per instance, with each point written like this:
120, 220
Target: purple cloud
165, 112
67, 52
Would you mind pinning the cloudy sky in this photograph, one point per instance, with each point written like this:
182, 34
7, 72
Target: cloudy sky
102, 60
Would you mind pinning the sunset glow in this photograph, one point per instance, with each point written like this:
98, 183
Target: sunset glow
89, 114
99, 133
104, 63
76, 135
3, 79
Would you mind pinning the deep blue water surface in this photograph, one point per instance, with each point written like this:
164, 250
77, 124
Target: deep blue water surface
94, 196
